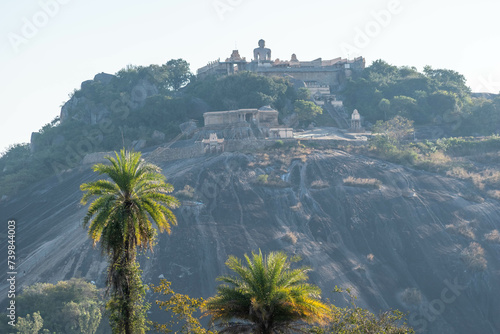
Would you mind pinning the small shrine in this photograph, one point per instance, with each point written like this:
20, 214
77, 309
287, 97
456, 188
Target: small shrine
355, 120
213, 144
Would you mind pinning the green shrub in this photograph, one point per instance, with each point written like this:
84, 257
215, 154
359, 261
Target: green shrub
262, 179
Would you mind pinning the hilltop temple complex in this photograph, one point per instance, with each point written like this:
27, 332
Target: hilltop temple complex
323, 78
330, 74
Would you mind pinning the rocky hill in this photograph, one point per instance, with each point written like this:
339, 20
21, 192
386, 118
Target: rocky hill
400, 238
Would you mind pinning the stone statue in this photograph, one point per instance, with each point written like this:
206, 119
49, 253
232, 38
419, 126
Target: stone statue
261, 53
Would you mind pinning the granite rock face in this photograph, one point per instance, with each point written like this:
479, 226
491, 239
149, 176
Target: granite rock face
390, 248
85, 108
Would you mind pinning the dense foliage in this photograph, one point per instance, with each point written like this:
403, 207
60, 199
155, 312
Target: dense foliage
73, 306
306, 110
383, 91
182, 310
356, 320
265, 296
434, 96
244, 90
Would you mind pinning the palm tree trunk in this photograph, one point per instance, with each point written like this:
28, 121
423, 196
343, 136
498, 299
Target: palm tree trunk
128, 309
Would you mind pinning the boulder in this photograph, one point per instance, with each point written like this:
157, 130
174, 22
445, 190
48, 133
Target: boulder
188, 128
158, 135
96, 158
137, 145
104, 78
142, 90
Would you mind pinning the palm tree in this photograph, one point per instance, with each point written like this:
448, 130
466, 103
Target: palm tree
120, 218
265, 297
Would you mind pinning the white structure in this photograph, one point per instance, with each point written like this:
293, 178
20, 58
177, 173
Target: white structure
281, 133
355, 120
263, 117
213, 144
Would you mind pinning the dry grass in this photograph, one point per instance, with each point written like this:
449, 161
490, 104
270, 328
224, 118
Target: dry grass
186, 193
471, 196
302, 157
271, 181
494, 194
490, 177
458, 173
439, 159
487, 158
411, 296
360, 182
462, 228
262, 160
296, 207
473, 257
493, 236
463, 174
319, 184
290, 237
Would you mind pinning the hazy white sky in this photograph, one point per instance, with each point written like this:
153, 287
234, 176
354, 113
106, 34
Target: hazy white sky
48, 47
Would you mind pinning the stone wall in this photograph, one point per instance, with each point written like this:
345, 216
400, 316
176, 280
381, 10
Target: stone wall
333, 78
195, 150
169, 154
163, 154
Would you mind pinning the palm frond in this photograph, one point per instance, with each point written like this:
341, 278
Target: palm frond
266, 295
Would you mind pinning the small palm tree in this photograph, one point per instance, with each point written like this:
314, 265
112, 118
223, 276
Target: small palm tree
120, 218
265, 297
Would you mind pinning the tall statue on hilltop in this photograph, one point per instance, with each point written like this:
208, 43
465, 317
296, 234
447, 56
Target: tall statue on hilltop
261, 53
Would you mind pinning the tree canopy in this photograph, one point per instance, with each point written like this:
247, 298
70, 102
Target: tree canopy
120, 218
71, 307
265, 296
383, 91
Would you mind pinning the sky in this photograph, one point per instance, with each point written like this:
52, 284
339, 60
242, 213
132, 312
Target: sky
48, 47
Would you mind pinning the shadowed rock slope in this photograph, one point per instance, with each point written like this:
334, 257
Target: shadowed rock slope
414, 243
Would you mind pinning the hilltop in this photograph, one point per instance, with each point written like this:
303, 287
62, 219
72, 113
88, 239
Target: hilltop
411, 225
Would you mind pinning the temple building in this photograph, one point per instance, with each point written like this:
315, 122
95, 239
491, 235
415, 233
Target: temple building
213, 144
334, 72
263, 119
